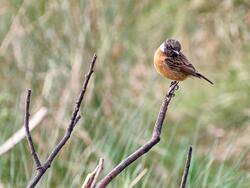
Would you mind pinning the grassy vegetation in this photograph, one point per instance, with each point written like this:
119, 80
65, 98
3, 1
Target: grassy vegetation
47, 46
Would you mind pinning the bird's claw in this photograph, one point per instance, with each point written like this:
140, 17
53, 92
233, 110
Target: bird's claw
176, 87
173, 83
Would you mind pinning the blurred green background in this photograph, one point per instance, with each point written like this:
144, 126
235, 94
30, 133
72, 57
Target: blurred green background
47, 46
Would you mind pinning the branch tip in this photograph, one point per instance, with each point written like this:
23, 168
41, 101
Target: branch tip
187, 166
28, 135
74, 119
156, 135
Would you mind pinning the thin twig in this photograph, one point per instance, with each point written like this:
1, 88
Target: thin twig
92, 177
29, 138
148, 145
186, 170
74, 119
98, 172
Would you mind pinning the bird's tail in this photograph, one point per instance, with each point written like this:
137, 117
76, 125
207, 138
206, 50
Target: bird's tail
201, 76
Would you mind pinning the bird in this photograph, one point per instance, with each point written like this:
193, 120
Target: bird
171, 63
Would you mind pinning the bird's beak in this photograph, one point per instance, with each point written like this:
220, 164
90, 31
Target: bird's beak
176, 52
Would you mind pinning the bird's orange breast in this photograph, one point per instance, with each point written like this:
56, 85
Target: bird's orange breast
164, 70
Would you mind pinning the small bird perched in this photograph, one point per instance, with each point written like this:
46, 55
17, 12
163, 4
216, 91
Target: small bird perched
171, 63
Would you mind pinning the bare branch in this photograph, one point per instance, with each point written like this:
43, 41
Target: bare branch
147, 146
29, 138
186, 170
74, 119
92, 177
99, 170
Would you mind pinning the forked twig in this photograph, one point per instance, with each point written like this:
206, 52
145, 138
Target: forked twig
148, 145
74, 119
98, 172
29, 138
92, 177
186, 170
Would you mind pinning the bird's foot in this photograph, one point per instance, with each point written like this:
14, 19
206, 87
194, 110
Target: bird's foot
174, 83
176, 87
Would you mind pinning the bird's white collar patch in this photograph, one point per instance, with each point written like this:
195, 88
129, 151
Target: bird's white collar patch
162, 46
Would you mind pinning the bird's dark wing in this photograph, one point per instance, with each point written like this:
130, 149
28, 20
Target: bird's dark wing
180, 64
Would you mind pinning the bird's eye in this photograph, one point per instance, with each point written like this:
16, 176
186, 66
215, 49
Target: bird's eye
175, 53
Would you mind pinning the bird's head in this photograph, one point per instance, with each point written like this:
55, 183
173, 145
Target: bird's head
171, 47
